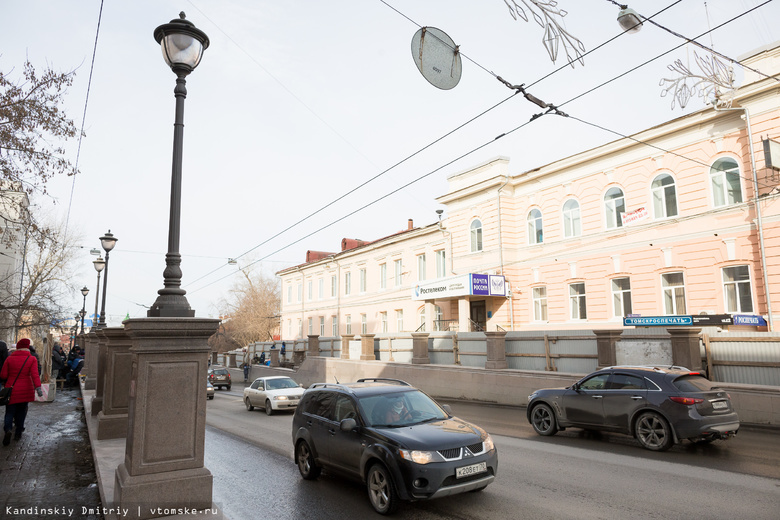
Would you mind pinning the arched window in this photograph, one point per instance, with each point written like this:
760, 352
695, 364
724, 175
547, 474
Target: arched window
615, 206
572, 225
724, 178
476, 236
664, 196
535, 227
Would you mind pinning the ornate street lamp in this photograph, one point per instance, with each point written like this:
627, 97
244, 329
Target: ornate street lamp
99, 265
107, 242
182, 47
84, 292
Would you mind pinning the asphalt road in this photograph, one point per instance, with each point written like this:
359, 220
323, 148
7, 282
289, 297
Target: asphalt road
571, 475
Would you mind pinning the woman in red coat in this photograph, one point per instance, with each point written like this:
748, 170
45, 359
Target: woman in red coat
20, 362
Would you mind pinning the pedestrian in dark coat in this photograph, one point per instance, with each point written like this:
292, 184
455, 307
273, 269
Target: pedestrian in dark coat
37, 358
3, 357
22, 364
56, 364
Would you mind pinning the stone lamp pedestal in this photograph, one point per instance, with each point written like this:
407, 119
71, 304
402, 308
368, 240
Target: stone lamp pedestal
163, 466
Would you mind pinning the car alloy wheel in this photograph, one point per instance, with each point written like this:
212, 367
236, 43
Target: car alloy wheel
653, 432
305, 460
543, 420
381, 491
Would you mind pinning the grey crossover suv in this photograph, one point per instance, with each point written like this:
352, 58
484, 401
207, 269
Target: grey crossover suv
660, 406
392, 437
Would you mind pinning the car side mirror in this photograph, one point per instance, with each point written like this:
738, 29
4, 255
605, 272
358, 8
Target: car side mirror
447, 409
347, 425
575, 387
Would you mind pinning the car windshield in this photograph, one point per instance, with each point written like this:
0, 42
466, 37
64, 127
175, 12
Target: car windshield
221, 371
278, 384
401, 409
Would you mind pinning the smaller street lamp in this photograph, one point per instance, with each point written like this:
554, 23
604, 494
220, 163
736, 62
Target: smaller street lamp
107, 242
84, 292
99, 264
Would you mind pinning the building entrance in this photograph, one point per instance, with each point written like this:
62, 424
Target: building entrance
478, 316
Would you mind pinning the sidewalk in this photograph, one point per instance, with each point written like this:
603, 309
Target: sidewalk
50, 473
108, 454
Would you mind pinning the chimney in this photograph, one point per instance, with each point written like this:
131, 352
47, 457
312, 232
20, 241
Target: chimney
411, 225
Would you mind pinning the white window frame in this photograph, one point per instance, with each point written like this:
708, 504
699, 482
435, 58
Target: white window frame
383, 276
572, 219
421, 267
719, 183
310, 290
383, 321
441, 263
398, 267
311, 326
321, 288
539, 297
362, 281
534, 226
349, 324
734, 291
621, 297
322, 325
300, 292
578, 302
421, 320
671, 294
289, 293
613, 209
438, 317
660, 195
475, 235
334, 326
399, 320
347, 283
363, 324
334, 286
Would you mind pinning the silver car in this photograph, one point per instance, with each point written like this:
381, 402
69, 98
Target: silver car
273, 393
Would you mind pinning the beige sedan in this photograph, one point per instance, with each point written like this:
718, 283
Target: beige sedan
273, 393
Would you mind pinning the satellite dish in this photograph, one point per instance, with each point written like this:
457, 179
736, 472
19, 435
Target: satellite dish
437, 57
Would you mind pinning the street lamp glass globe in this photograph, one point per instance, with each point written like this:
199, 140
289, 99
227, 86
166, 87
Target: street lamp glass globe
629, 20
99, 264
182, 43
108, 241
84, 291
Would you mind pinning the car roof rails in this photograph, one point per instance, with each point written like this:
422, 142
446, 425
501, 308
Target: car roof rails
382, 380
662, 368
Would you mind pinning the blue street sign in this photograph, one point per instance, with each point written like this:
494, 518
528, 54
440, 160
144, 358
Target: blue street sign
658, 321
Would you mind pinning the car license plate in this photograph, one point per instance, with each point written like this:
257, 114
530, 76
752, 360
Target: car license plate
717, 405
465, 471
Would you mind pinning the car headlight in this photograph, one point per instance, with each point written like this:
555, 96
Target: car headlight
488, 442
419, 457
280, 398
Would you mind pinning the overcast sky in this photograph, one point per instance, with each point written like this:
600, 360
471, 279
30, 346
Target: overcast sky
296, 102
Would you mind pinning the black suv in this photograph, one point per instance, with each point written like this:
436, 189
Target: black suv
394, 438
660, 406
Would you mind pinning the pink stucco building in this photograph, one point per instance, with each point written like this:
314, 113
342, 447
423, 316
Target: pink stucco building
666, 222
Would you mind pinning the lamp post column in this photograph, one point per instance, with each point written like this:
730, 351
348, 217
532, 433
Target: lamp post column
172, 301
91, 350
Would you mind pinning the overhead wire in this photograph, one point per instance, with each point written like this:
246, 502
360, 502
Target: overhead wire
459, 127
84, 115
518, 89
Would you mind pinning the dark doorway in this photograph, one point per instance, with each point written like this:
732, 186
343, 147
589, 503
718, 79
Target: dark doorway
478, 316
